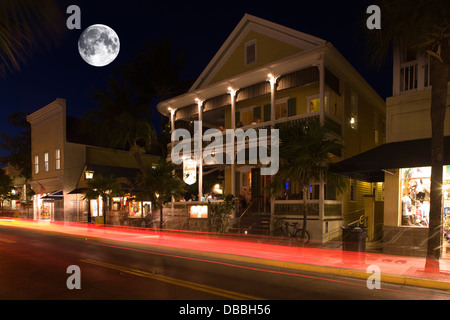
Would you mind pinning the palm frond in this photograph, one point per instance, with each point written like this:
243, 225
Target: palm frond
405, 25
304, 156
27, 27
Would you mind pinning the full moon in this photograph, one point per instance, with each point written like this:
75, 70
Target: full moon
99, 45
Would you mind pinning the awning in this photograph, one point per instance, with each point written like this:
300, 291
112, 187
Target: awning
56, 195
371, 165
78, 190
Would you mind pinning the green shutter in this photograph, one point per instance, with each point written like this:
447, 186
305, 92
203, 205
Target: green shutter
256, 182
256, 113
292, 107
267, 112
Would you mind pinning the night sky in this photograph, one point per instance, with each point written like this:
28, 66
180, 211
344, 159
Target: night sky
199, 27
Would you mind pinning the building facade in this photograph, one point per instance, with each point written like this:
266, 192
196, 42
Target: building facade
404, 162
407, 189
266, 74
61, 156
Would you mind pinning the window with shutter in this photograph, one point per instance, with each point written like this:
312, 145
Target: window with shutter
267, 110
292, 107
250, 52
237, 119
257, 114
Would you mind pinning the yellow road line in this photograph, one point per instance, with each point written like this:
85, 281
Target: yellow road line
187, 284
7, 240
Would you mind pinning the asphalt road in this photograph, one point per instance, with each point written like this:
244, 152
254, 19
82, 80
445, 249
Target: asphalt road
40, 266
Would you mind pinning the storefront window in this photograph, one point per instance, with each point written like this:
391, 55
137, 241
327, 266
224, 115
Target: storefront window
139, 209
446, 196
146, 208
135, 209
46, 210
415, 197
97, 207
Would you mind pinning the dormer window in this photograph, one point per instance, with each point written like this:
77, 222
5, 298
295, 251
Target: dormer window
250, 52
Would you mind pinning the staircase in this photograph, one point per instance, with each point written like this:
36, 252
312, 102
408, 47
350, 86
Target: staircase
254, 224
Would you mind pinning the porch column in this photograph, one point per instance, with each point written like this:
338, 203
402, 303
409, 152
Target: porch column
200, 146
233, 126
321, 201
172, 120
172, 129
272, 81
172, 143
322, 90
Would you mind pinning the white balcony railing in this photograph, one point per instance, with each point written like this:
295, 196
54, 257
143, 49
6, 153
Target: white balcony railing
333, 124
408, 76
291, 208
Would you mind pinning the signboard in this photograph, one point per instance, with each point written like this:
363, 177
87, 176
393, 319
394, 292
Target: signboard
199, 211
189, 171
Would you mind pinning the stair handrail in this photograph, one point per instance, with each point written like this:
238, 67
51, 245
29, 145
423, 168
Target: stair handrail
239, 219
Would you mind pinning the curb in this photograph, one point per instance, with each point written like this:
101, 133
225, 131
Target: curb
351, 273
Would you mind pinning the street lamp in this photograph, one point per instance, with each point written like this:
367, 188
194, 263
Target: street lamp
89, 174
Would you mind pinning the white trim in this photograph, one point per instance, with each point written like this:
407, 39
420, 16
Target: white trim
281, 100
278, 102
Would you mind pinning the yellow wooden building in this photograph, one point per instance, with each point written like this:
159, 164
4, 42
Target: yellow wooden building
265, 74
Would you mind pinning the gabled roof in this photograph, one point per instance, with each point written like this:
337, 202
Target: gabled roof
283, 50
250, 23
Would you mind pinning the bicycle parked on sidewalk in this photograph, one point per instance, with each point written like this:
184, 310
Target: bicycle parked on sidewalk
290, 230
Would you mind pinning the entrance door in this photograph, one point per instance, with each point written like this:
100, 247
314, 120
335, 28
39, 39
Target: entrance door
257, 190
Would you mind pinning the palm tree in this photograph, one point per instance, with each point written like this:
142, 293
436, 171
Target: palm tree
425, 27
121, 120
19, 34
156, 75
304, 158
17, 148
160, 184
103, 187
156, 71
6, 185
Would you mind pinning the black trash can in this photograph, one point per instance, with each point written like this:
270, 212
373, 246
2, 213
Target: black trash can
354, 238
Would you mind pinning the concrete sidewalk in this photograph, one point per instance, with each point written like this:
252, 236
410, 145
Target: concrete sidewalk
264, 251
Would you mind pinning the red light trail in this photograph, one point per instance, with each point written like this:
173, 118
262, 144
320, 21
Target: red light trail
245, 247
